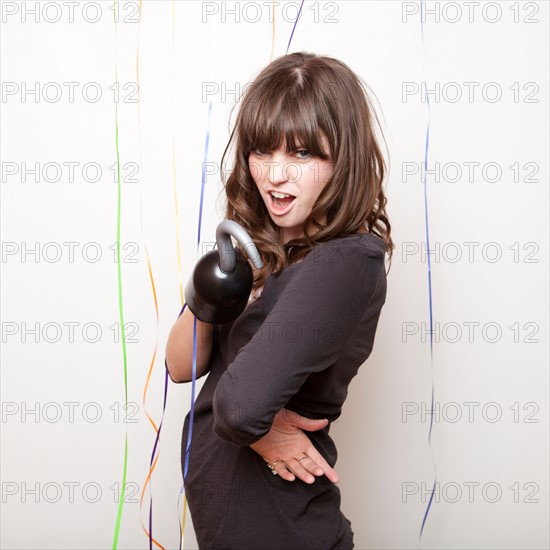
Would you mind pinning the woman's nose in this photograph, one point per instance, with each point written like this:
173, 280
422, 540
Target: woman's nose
276, 171
282, 167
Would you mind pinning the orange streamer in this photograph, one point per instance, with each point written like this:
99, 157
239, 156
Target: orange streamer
154, 291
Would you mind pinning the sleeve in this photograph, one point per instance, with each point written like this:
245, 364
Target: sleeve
305, 332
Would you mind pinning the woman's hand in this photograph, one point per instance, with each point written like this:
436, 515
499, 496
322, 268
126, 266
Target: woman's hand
288, 450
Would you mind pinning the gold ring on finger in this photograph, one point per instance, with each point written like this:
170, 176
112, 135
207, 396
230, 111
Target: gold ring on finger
272, 466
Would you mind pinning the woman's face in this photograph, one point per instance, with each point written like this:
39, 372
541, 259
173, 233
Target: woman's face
289, 184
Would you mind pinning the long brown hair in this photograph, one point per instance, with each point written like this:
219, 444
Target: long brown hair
297, 99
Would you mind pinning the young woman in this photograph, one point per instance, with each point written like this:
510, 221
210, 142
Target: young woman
306, 184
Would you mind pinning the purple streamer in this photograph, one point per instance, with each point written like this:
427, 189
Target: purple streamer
294, 27
426, 222
153, 454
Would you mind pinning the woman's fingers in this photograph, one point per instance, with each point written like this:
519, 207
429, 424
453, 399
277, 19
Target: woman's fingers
322, 464
311, 466
281, 470
292, 469
304, 468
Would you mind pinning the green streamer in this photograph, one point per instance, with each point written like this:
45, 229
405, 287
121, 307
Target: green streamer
120, 309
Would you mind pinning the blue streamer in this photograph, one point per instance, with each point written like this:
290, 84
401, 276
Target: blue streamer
426, 218
294, 27
203, 179
194, 366
192, 414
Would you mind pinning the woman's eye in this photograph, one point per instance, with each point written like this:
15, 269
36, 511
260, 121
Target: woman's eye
303, 154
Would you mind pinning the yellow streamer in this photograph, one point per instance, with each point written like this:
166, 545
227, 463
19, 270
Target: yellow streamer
272, 32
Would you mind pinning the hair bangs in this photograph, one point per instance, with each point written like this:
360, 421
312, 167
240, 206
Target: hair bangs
278, 115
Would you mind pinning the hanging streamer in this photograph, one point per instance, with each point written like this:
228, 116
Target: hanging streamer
294, 27
203, 182
194, 360
120, 308
192, 412
426, 219
272, 31
153, 463
178, 247
194, 365
154, 455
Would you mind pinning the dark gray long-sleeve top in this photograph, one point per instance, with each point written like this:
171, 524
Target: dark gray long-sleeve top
298, 346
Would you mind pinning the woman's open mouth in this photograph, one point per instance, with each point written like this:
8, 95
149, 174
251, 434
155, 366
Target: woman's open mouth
280, 202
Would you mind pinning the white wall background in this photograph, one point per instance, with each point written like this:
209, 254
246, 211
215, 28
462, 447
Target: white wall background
61, 473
